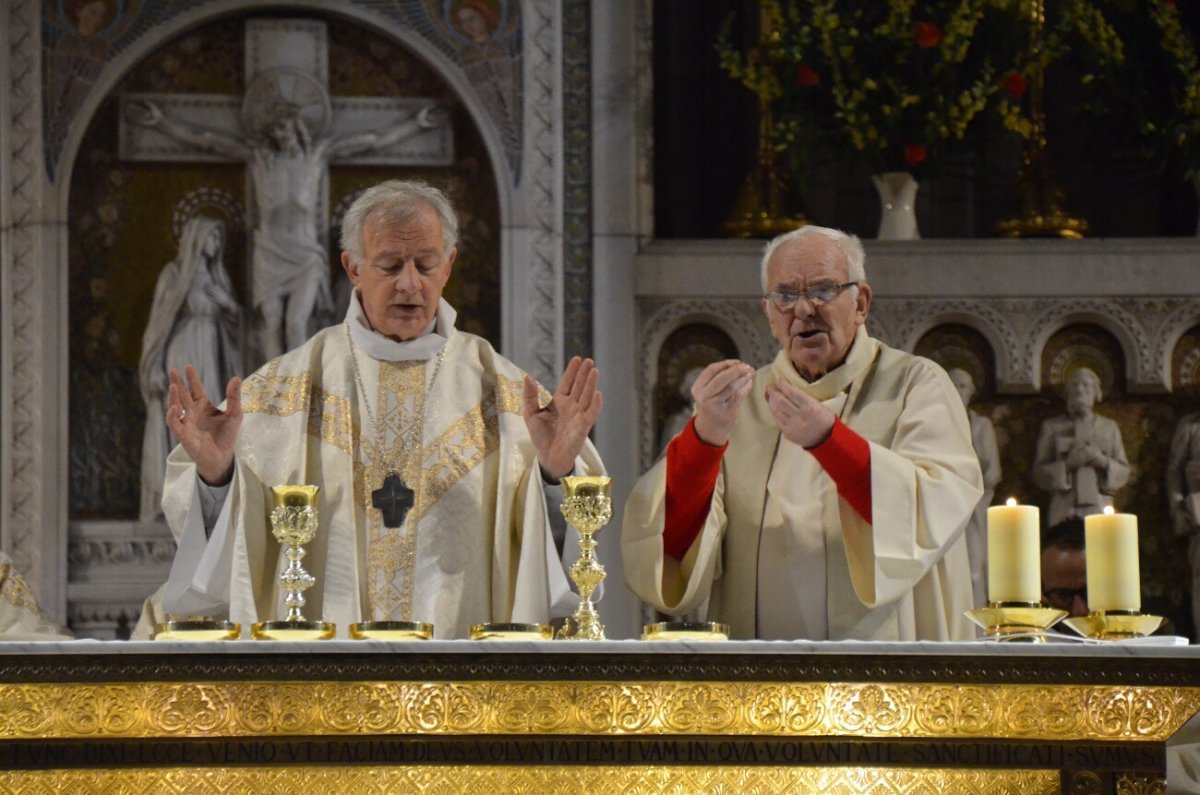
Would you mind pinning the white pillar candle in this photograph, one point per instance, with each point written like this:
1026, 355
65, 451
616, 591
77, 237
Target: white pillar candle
1014, 553
1113, 580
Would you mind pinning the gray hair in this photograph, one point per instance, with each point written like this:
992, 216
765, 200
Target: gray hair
394, 202
847, 243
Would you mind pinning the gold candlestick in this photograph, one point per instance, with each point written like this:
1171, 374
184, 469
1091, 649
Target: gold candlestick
758, 210
294, 523
1007, 622
1041, 212
1114, 624
587, 506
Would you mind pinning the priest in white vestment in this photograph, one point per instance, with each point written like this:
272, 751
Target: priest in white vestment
393, 400
823, 496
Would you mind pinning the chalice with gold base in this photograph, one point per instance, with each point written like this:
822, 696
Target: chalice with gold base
587, 506
294, 524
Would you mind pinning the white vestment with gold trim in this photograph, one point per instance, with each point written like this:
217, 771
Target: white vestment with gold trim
477, 545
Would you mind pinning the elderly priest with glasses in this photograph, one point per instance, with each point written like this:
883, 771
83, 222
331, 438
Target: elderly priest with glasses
434, 454
823, 496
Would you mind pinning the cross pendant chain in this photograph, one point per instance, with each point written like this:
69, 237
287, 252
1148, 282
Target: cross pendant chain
394, 498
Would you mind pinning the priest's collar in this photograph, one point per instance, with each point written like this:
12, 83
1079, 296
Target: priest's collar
837, 380
377, 346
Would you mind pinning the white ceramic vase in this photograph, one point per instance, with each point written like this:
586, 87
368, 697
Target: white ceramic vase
897, 198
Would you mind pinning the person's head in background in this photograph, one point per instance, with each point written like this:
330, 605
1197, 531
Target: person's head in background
1064, 567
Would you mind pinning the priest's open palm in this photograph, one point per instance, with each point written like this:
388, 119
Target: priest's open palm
206, 432
559, 428
719, 391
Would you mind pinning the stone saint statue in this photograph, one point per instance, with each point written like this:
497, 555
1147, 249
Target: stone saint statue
194, 319
1183, 495
983, 437
290, 287
1080, 459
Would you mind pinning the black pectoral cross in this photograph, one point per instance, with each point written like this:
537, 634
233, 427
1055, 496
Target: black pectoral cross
393, 499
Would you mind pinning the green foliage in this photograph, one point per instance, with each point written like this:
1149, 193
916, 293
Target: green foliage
902, 83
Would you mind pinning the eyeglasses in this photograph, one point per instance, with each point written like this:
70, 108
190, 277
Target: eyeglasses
1064, 597
817, 294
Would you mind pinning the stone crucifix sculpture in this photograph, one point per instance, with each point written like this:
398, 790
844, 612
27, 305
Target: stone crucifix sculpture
288, 133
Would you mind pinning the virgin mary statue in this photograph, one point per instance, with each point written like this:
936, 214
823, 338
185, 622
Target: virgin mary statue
194, 320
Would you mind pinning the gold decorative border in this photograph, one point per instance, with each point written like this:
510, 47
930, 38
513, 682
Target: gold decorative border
598, 780
781, 709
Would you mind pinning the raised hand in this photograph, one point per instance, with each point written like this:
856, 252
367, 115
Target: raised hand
719, 391
206, 433
801, 418
559, 429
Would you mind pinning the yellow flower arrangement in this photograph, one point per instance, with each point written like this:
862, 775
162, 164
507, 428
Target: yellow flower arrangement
902, 82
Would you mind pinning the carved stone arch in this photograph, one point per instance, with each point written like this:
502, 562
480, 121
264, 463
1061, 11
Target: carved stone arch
1170, 331
145, 45
745, 327
995, 337
1125, 327
906, 321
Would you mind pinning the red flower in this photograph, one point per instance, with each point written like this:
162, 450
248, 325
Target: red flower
1015, 85
806, 76
928, 35
914, 153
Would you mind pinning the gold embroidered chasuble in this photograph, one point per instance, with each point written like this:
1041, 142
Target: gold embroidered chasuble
21, 618
476, 545
904, 578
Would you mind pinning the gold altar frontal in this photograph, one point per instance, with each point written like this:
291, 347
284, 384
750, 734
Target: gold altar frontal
613, 717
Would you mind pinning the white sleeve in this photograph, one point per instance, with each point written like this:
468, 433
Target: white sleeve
212, 498
199, 579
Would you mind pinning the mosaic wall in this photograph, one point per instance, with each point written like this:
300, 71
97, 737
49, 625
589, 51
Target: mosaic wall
124, 217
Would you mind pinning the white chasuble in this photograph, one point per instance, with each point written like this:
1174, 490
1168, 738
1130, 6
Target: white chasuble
776, 517
477, 544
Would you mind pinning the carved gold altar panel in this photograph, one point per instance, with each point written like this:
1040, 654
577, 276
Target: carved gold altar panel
611, 716
595, 708
453, 780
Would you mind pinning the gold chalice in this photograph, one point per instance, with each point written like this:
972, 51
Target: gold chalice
294, 524
587, 507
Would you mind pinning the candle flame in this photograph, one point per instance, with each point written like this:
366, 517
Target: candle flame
1109, 510
1011, 501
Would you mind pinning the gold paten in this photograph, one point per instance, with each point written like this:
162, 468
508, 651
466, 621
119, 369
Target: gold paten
776, 709
391, 630
597, 779
293, 630
197, 629
511, 631
587, 506
1016, 621
686, 630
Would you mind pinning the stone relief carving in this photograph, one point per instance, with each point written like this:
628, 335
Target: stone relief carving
287, 135
1017, 330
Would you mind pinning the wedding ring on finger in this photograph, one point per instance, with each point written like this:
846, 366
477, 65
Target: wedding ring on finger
182, 415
